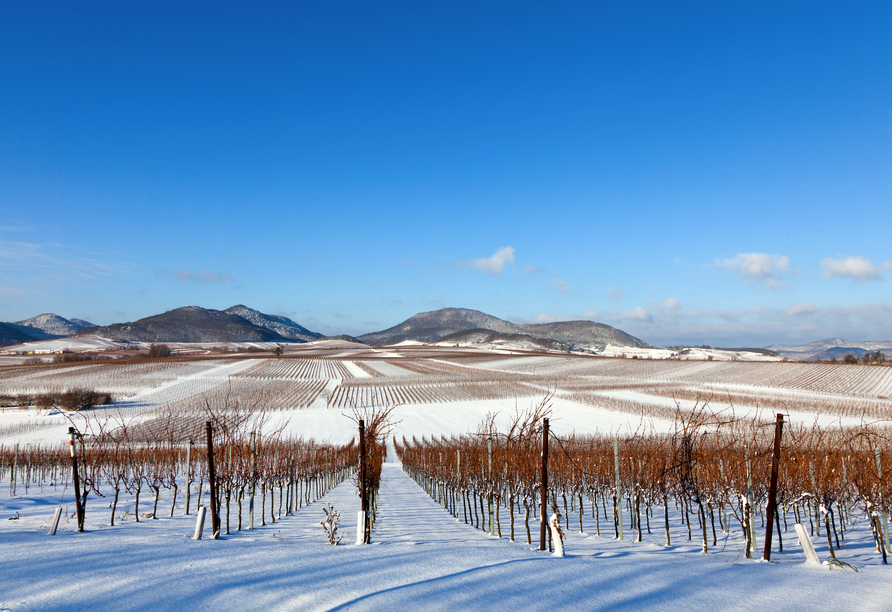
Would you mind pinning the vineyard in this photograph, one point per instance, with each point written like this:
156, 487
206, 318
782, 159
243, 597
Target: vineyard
710, 469
666, 463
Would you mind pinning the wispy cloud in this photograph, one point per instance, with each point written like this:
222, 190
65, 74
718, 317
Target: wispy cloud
615, 294
762, 267
35, 260
856, 268
531, 270
801, 309
669, 322
202, 276
495, 264
559, 286
756, 326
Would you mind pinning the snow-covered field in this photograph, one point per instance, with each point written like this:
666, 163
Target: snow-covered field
421, 557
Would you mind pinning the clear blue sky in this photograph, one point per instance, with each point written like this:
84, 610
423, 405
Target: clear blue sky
713, 173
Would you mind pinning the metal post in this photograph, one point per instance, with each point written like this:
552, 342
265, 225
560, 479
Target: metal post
77, 482
492, 530
882, 513
290, 506
253, 482
363, 493
212, 480
15, 468
751, 511
188, 474
772, 488
618, 503
458, 481
543, 525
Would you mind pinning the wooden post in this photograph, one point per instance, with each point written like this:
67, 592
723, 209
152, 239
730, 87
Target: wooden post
77, 482
772, 487
543, 525
212, 481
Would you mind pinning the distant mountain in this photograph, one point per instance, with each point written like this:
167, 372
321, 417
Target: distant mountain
830, 348
41, 327
435, 325
53, 326
188, 324
431, 326
581, 333
15, 334
283, 326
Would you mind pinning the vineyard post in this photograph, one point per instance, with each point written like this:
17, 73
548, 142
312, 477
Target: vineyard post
77, 482
15, 467
885, 523
489, 495
544, 485
212, 482
772, 488
458, 480
617, 503
289, 505
253, 482
363, 494
723, 513
751, 511
188, 475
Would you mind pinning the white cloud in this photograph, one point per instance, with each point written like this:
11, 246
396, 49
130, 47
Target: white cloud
757, 326
669, 322
559, 285
640, 314
615, 294
203, 276
887, 265
857, 268
761, 267
530, 270
801, 309
494, 264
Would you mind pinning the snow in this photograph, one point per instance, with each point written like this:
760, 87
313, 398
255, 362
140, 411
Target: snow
72, 344
421, 557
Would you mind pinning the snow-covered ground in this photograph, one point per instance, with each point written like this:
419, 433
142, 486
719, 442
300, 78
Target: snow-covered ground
421, 558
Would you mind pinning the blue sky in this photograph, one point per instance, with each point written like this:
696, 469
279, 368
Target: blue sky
713, 173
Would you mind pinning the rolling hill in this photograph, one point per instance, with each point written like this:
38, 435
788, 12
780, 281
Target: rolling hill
438, 324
